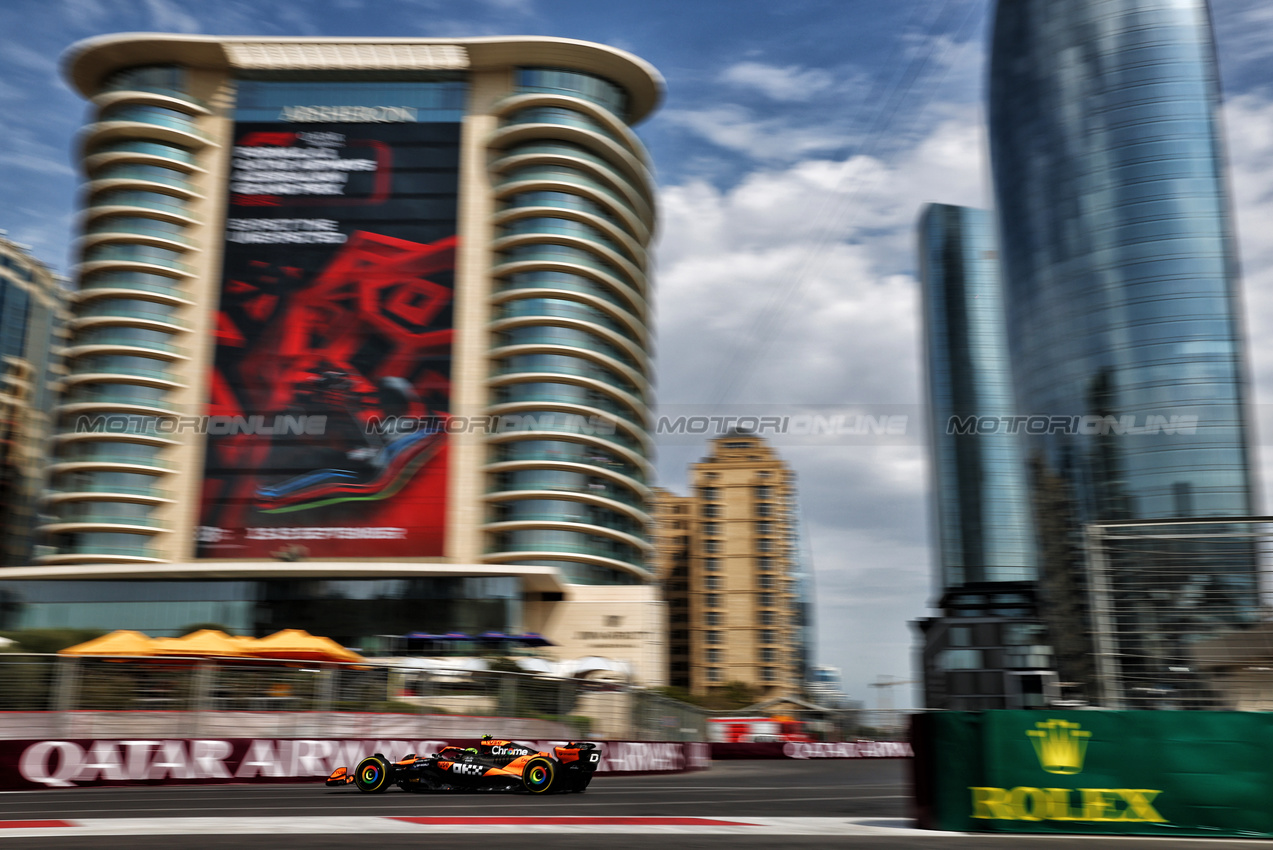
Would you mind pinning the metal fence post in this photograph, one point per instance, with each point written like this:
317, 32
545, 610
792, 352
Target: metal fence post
200, 697
1103, 640
66, 691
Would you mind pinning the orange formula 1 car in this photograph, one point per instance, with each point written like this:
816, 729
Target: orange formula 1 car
491, 766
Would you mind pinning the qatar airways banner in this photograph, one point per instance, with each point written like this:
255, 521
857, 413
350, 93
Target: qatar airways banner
180, 761
335, 317
813, 750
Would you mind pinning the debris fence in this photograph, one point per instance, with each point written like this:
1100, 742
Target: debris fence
48, 694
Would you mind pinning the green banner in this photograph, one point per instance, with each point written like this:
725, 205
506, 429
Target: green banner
1163, 773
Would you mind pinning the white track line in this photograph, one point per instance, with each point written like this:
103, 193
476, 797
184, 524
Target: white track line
114, 827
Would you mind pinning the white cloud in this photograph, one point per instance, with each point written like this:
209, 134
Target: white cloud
816, 257
786, 83
1249, 132
735, 128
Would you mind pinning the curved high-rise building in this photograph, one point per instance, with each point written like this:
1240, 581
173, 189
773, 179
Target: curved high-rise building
1118, 253
358, 309
31, 317
1123, 308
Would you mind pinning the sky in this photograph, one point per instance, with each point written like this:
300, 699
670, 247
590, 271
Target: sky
794, 149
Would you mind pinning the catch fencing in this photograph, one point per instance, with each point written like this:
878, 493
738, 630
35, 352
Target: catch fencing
1179, 613
95, 697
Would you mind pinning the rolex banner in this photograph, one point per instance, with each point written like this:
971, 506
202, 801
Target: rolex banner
1164, 773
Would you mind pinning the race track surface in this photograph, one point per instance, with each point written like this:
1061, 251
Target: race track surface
750, 804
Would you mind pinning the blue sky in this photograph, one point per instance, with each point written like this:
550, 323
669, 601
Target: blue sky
796, 144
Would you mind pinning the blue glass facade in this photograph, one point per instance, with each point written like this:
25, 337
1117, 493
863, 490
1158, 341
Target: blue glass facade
1118, 253
987, 650
1123, 311
981, 507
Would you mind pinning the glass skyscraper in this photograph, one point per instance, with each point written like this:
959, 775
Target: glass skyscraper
981, 504
1120, 272
987, 650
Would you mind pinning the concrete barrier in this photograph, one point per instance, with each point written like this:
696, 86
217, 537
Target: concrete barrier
209, 761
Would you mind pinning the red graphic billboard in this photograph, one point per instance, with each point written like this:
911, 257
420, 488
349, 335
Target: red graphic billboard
335, 317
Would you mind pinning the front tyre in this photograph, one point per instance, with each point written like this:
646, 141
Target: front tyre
539, 776
372, 775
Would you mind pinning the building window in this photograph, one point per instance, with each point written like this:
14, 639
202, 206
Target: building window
713, 637
765, 563
713, 582
764, 528
713, 674
711, 564
768, 618
960, 659
714, 656
766, 582
769, 674
764, 509
712, 528
764, 544
711, 510
767, 636
768, 654
712, 600
714, 618
763, 492
766, 600
708, 494
712, 546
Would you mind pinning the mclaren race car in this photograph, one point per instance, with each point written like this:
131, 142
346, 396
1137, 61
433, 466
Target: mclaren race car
491, 766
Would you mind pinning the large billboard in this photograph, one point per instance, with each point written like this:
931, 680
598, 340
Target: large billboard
335, 316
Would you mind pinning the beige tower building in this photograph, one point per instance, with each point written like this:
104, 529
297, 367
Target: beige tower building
728, 561
31, 318
360, 343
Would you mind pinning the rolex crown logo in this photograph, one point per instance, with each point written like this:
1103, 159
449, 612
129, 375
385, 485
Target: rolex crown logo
1060, 745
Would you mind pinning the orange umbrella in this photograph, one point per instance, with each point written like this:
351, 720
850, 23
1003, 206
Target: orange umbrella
205, 643
122, 642
300, 645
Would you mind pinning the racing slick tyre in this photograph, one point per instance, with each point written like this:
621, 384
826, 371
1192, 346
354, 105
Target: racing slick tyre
538, 776
372, 774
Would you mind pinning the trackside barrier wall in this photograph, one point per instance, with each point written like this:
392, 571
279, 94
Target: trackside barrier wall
812, 750
219, 761
1160, 773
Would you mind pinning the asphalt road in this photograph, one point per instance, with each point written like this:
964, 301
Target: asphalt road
822, 789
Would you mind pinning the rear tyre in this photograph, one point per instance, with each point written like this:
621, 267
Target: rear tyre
539, 776
372, 775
